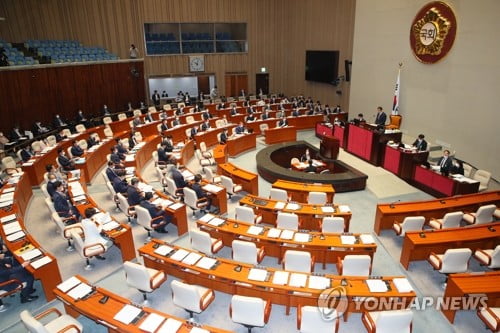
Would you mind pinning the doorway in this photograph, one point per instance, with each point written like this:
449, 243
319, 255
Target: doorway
262, 82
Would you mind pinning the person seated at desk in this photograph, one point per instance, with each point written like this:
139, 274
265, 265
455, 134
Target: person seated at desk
310, 168
283, 122
121, 149
205, 115
164, 125
76, 150
265, 115
112, 172
380, 117
306, 157
81, 119
420, 143
223, 136
250, 118
120, 184
175, 122
61, 135
240, 129
205, 126
58, 122
194, 131
137, 121
295, 112
4, 141
197, 108
39, 129
66, 163
250, 110
149, 117
178, 178
105, 110
26, 154
92, 232
93, 140
68, 212
221, 106
337, 109
156, 211
17, 135
359, 120
134, 195
457, 167
200, 193
162, 115
445, 162
115, 157
10, 269
234, 111
169, 143
132, 140
164, 157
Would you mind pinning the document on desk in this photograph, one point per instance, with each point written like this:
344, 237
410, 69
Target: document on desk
403, 285
206, 263
7, 197
110, 226
212, 188
287, 234
11, 228
15, 236
318, 282
102, 218
301, 237
274, 233
279, 205
188, 175
344, 209
152, 322
257, 274
298, 280
191, 258
280, 277
292, 206
377, 286
199, 330
163, 250
206, 218
162, 202
327, 209
31, 254
254, 230
8, 190
6, 203
80, 291
76, 189
8, 218
170, 326
179, 255
367, 239
347, 240
70, 283
176, 206
216, 221
127, 314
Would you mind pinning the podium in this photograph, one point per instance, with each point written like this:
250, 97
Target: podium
329, 147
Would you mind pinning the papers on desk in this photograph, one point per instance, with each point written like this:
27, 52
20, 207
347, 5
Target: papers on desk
286, 234
110, 226
179, 255
80, 291
280, 205
8, 190
435, 167
102, 218
212, 188
463, 179
191, 258
292, 206
298, 280
344, 209
327, 209
80, 160
317, 163
129, 157
76, 189
280, 277
162, 202
377, 286
207, 217
127, 314
70, 283
6, 196
176, 206
216, 221
145, 187
256, 274
129, 170
403, 285
11, 228
199, 330
82, 197
254, 230
163, 250
15, 236
274, 233
28, 164
170, 326
41, 262
188, 175
367, 239
8, 218
6, 203
206, 263
31, 254
347, 240
318, 282
301, 237
152, 322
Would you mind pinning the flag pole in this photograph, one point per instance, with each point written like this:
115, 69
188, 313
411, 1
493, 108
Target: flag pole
395, 103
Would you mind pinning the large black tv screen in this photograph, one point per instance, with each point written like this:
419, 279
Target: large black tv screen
322, 66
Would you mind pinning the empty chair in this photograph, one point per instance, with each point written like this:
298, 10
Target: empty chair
112, 191
137, 112
210, 176
467, 170
231, 188
483, 177
62, 323
263, 128
50, 205
66, 132
122, 116
192, 298
65, 230
249, 311
452, 261
332, 224
298, 261
247, 252
204, 162
311, 320
36, 146
355, 265
147, 222
201, 241
278, 194
80, 128
191, 199
83, 144
294, 160
190, 119
410, 223
287, 221
484, 214
316, 198
204, 151
246, 214
108, 132
87, 251
142, 278
491, 317
51, 140
8, 288
126, 209
489, 257
9, 165
388, 321
167, 107
449, 220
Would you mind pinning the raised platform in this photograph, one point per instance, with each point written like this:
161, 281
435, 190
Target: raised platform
273, 163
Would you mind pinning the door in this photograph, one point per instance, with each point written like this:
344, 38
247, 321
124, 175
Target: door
262, 82
203, 85
235, 83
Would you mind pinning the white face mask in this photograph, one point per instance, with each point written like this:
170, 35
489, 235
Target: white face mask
53, 180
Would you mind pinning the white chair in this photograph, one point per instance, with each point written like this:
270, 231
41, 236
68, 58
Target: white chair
483, 177
108, 132
246, 214
263, 128
66, 230
191, 298
247, 252
298, 261
287, 221
449, 220
83, 144
488, 257
294, 160
181, 105
172, 189
204, 162
355, 265
467, 170
316, 198
210, 176
66, 132
9, 165
107, 120
190, 120
80, 128
147, 222
122, 116
490, 317
191, 199
142, 278
204, 151
50, 205
36, 147
126, 209
167, 107
112, 191
51, 140
62, 323
278, 194
484, 214
43, 187
332, 224
138, 136
410, 223
391, 321
201, 241
87, 251
231, 188
310, 320
249, 311
452, 261
137, 112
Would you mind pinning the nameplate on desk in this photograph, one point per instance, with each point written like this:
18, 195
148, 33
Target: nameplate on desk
176, 206
8, 218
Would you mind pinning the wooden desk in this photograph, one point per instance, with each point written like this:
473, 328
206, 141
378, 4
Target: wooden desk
305, 122
386, 214
104, 314
300, 191
326, 248
220, 154
470, 284
402, 162
323, 129
224, 277
210, 136
249, 180
439, 185
280, 134
310, 216
255, 125
241, 143
341, 133
415, 247
94, 160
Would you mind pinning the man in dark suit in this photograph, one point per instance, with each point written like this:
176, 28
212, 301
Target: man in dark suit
38, 128
310, 167
240, 129
105, 110
295, 113
76, 150
163, 156
200, 193
178, 178
120, 185
137, 121
169, 143
121, 149
420, 143
58, 122
250, 118
445, 163
176, 121
234, 111
381, 117
26, 153
115, 157
64, 161
205, 126
92, 141
206, 115
62, 206
158, 225
337, 109
194, 130
51, 182
164, 125
223, 137
156, 98
134, 195
265, 115
283, 122
111, 172
17, 135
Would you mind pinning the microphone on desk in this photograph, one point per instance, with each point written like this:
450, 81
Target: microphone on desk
391, 205
442, 201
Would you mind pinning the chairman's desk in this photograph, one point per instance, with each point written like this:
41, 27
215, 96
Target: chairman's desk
326, 248
280, 134
104, 314
310, 216
439, 185
472, 285
48, 274
419, 245
225, 276
386, 214
300, 191
402, 162
248, 180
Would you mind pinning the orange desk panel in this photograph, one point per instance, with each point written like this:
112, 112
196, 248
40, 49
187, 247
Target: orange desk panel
283, 134
300, 191
249, 180
239, 144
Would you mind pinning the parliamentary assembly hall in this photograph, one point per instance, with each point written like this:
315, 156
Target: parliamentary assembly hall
249, 166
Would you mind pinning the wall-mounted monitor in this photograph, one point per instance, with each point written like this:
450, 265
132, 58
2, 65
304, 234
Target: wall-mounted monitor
322, 66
